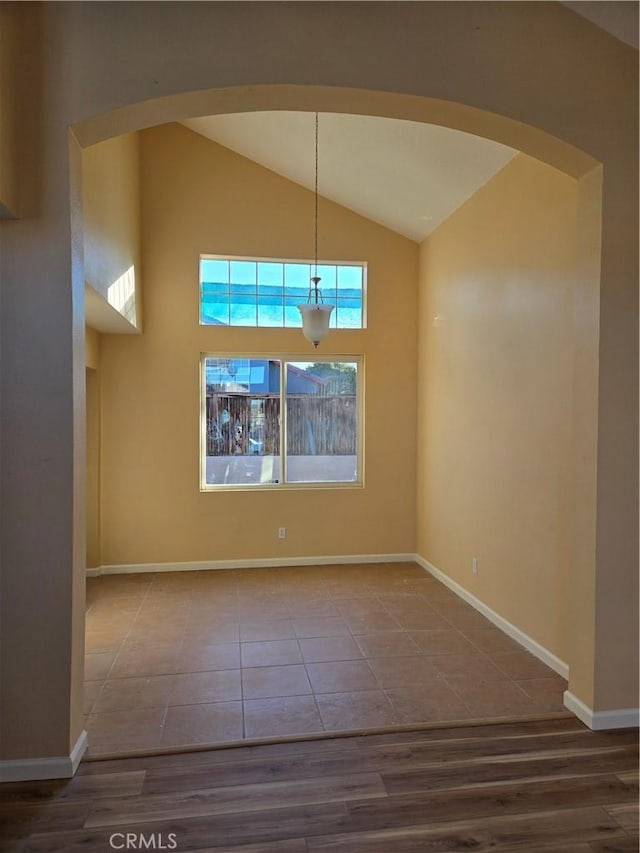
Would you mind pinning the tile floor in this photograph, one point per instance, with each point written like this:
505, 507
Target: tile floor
177, 659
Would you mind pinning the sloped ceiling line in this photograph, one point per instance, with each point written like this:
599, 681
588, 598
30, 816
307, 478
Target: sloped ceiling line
407, 176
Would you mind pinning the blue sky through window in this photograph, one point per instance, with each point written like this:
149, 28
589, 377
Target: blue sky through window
240, 292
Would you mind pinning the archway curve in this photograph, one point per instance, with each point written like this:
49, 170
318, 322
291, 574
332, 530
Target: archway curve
456, 116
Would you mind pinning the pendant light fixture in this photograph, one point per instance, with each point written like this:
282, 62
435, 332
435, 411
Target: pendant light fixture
316, 313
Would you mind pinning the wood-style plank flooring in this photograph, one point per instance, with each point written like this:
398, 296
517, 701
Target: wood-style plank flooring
531, 786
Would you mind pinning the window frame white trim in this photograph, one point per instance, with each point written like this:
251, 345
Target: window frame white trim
284, 359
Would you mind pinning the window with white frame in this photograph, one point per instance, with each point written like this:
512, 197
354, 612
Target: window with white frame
271, 422
265, 292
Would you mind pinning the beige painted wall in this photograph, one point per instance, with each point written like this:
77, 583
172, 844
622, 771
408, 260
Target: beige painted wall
92, 348
495, 396
9, 37
92, 373
111, 213
93, 467
199, 197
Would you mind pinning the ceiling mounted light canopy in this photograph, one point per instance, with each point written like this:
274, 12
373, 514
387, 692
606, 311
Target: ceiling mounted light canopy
316, 313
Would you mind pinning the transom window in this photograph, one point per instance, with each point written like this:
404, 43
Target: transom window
263, 292
269, 422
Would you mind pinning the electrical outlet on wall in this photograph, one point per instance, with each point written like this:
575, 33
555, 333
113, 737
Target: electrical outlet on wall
282, 533
474, 565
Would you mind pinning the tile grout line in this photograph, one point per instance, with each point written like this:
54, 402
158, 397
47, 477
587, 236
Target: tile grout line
240, 662
122, 641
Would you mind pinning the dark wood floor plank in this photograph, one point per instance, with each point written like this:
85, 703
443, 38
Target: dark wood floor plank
219, 832
285, 770
467, 750
584, 847
617, 845
629, 775
626, 814
119, 784
293, 845
495, 834
461, 773
517, 797
224, 755
20, 820
521, 735
238, 799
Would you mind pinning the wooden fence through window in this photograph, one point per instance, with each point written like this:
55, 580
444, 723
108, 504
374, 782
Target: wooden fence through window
239, 424
321, 426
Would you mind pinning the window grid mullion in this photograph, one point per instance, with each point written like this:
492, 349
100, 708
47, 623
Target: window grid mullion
283, 419
256, 291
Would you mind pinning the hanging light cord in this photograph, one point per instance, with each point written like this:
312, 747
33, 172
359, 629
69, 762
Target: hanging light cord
315, 256
315, 316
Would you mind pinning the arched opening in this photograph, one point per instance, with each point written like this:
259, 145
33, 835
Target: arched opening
557, 154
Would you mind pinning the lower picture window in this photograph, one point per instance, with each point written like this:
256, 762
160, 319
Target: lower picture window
268, 421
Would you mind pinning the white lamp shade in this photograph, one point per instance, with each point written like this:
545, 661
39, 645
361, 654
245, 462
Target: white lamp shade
315, 320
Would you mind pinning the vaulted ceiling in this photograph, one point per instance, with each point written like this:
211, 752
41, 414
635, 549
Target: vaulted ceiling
404, 175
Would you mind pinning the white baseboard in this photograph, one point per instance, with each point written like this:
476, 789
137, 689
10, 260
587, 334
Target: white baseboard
620, 718
507, 627
268, 563
58, 767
